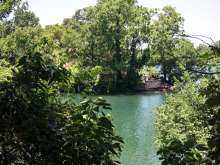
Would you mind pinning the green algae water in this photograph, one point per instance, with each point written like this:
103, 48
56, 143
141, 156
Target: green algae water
133, 117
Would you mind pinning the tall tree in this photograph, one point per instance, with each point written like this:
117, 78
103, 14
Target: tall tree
23, 17
112, 19
136, 41
164, 34
6, 7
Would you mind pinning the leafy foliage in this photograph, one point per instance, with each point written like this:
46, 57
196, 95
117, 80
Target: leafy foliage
85, 79
188, 122
183, 119
174, 54
6, 6
150, 72
38, 128
113, 39
24, 18
112, 34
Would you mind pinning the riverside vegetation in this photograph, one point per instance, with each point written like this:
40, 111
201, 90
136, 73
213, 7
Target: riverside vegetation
117, 38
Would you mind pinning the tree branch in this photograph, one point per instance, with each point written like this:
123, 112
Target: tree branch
199, 37
204, 72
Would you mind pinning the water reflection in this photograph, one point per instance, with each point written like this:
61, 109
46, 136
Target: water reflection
133, 116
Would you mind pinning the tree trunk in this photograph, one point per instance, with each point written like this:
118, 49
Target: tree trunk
117, 59
132, 74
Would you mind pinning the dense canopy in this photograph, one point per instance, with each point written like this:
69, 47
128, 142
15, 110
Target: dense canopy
106, 48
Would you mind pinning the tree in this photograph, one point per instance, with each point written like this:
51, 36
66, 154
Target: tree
113, 33
194, 111
39, 128
34, 39
164, 39
137, 35
20, 42
25, 18
186, 58
213, 93
112, 18
6, 7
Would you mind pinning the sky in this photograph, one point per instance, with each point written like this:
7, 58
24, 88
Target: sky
202, 17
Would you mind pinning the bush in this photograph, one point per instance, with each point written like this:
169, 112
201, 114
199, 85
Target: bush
183, 125
36, 127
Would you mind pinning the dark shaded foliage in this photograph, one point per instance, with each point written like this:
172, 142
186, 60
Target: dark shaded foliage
36, 127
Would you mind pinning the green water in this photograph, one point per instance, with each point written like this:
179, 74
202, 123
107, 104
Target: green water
133, 117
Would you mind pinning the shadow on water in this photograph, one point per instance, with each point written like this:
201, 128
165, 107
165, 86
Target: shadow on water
133, 116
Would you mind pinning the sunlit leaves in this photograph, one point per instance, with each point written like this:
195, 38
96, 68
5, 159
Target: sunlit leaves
6, 6
184, 117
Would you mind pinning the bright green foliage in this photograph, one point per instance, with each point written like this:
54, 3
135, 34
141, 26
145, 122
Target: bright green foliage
164, 40
84, 79
113, 33
69, 42
5, 73
24, 18
124, 28
21, 17
150, 72
182, 124
185, 55
33, 39
6, 6
188, 122
5, 70
185, 107
138, 33
111, 19
84, 37
20, 42
115, 39
213, 93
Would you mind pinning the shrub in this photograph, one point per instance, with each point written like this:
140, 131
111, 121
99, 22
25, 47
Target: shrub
36, 127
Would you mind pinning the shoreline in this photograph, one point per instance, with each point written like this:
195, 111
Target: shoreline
136, 92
